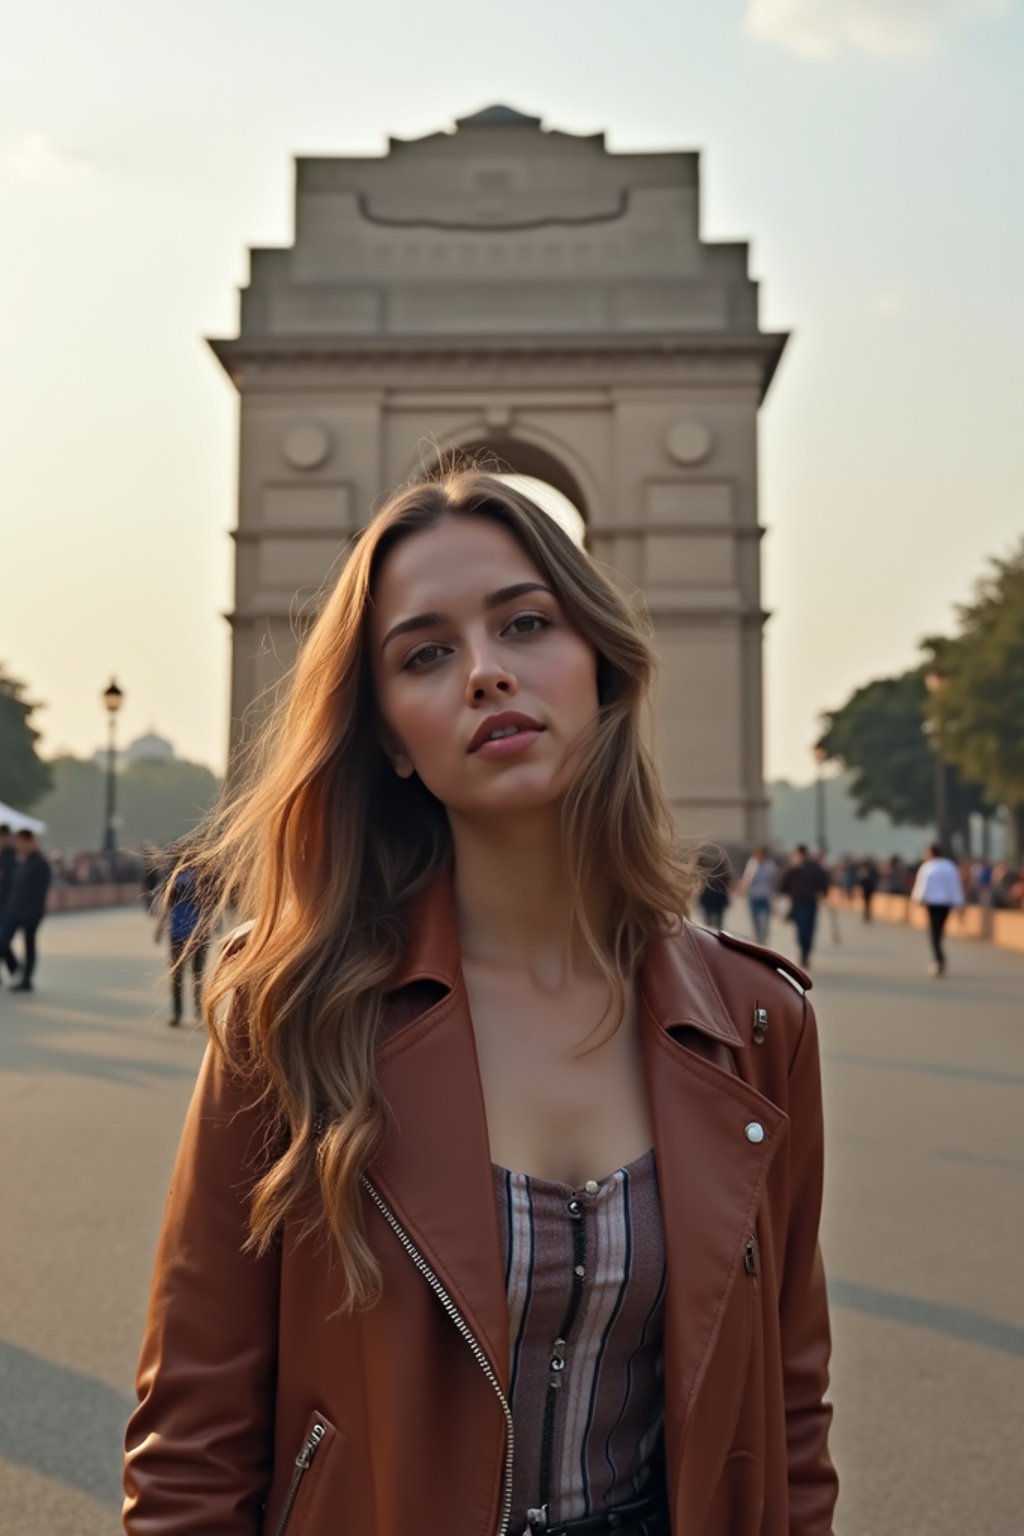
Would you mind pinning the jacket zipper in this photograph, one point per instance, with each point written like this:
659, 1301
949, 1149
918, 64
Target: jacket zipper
467, 1334
750, 1257
302, 1464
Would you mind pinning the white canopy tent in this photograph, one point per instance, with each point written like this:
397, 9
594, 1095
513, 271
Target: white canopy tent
18, 822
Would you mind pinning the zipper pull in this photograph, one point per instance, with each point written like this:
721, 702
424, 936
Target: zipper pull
750, 1257
760, 1024
308, 1451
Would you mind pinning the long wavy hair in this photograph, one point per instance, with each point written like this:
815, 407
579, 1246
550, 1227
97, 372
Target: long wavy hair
325, 848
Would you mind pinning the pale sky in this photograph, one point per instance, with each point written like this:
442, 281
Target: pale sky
872, 151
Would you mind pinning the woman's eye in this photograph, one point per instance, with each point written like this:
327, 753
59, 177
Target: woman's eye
423, 657
528, 623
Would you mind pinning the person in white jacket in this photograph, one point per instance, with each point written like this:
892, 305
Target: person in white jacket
938, 888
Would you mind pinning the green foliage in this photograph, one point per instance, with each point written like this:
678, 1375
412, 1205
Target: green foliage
159, 801
979, 709
24, 777
156, 801
879, 735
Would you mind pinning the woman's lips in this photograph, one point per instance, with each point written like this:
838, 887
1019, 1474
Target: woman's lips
508, 746
505, 719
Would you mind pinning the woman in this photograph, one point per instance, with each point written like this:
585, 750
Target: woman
496, 1207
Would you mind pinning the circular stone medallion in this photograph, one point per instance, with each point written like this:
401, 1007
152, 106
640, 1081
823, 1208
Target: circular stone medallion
688, 442
306, 446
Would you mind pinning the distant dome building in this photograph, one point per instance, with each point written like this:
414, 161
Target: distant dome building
150, 748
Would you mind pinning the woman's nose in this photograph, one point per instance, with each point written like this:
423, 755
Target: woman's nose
487, 679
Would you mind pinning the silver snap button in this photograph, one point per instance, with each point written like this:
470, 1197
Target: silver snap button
755, 1132
579, 1271
574, 1208
591, 1186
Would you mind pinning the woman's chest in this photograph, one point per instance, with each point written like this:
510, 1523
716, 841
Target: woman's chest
563, 1088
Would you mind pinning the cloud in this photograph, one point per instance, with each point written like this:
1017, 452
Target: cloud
818, 28
36, 159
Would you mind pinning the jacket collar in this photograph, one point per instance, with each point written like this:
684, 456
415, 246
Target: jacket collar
675, 980
431, 951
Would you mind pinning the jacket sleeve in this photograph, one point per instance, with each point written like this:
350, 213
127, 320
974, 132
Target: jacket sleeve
199, 1444
803, 1303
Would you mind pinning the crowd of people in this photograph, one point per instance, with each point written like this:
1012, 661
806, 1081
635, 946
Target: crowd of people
774, 884
120, 868
986, 882
795, 885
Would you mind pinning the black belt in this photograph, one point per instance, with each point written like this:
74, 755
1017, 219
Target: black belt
621, 1520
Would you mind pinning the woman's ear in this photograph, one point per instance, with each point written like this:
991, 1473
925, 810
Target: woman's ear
396, 754
401, 762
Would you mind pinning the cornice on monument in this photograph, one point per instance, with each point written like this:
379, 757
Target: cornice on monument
647, 359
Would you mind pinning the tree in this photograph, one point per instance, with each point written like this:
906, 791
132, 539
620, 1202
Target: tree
24, 777
878, 735
157, 801
979, 709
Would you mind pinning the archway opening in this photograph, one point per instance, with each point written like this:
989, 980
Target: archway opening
538, 474
554, 502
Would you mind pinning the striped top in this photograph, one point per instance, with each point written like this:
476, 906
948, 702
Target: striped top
585, 1280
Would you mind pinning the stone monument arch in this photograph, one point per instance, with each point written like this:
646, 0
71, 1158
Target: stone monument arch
513, 288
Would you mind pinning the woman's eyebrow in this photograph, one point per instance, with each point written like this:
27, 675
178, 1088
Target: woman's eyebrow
492, 600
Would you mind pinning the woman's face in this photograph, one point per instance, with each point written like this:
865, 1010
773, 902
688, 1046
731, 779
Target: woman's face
465, 631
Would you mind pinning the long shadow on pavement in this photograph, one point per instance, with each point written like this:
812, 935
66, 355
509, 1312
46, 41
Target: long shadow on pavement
35, 1039
61, 1424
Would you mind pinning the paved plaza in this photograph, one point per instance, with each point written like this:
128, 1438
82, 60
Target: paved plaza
924, 1091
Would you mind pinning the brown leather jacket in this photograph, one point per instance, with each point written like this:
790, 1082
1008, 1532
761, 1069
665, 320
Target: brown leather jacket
262, 1410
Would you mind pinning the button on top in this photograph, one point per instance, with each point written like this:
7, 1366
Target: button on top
755, 1131
591, 1186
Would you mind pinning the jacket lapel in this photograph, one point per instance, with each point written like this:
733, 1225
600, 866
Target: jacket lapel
711, 1173
433, 1167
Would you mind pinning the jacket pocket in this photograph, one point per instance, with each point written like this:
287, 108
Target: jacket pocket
309, 1459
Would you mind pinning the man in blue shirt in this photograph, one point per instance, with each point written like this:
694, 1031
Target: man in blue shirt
182, 912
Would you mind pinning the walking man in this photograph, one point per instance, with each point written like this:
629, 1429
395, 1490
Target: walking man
716, 894
805, 883
867, 879
7, 864
26, 904
938, 889
758, 885
182, 911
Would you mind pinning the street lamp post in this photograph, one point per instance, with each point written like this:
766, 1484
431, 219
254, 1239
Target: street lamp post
820, 758
113, 699
934, 681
